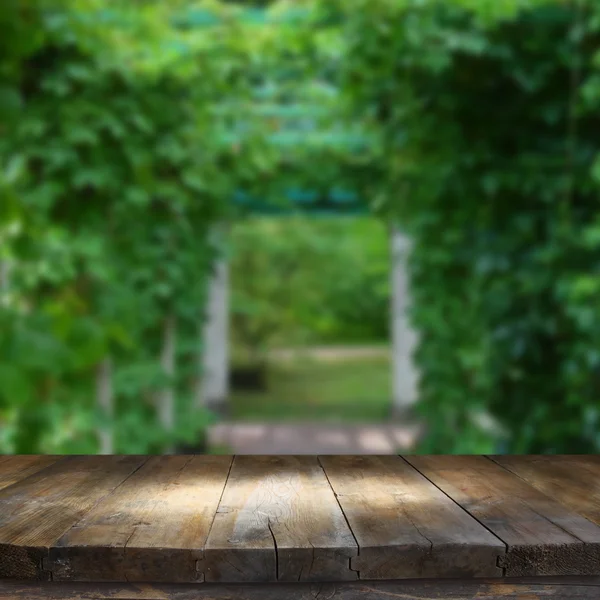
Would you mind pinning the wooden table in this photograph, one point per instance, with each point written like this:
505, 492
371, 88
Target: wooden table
299, 527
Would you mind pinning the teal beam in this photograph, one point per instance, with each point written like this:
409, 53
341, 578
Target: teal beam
298, 201
300, 139
319, 211
251, 16
270, 211
290, 111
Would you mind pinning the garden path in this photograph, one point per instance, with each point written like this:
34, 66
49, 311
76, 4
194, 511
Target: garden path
313, 438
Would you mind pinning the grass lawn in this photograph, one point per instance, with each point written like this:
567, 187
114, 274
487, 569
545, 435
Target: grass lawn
349, 389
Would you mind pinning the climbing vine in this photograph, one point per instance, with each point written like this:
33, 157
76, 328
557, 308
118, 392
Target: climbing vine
115, 166
488, 116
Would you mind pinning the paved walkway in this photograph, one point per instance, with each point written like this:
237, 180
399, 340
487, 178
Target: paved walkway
331, 353
313, 438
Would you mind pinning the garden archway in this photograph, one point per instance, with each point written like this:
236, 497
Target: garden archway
213, 391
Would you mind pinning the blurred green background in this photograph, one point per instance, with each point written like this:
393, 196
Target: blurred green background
300, 284
127, 133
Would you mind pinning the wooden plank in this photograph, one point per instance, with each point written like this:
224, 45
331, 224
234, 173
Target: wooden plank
18, 467
496, 589
572, 480
404, 525
279, 520
36, 511
543, 537
152, 528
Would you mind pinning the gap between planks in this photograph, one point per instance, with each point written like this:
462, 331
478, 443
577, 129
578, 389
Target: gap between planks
544, 536
345, 517
464, 509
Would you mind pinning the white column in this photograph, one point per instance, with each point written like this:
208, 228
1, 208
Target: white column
404, 337
165, 399
213, 390
105, 401
3, 274
5, 269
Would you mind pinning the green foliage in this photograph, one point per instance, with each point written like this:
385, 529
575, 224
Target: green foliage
113, 172
487, 112
308, 389
304, 280
125, 131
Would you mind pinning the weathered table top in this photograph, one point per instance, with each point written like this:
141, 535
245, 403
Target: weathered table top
187, 519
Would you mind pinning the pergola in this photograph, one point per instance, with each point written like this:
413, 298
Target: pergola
306, 120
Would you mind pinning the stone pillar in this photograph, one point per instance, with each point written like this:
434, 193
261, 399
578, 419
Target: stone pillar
5, 269
165, 399
105, 402
213, 389
404, 337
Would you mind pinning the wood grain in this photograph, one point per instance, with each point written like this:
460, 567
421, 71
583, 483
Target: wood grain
543, 536
19, 467
404, 525
572, 480
279, 520
152, 528
567, 589
37, 510
299, 520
